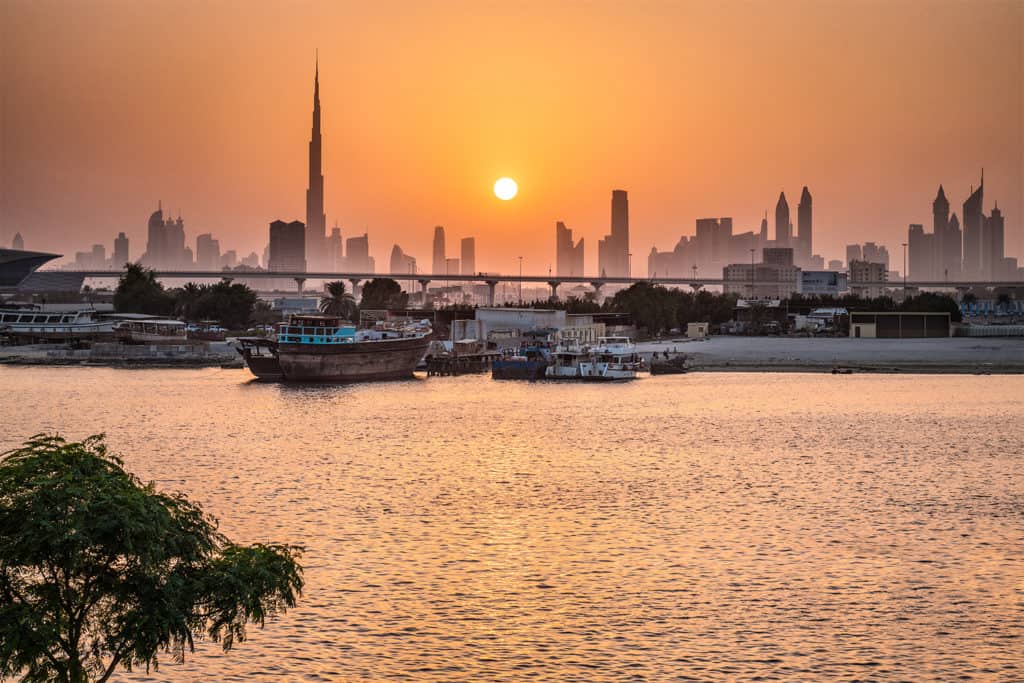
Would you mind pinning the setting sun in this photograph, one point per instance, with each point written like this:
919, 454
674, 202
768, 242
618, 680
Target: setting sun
505, 188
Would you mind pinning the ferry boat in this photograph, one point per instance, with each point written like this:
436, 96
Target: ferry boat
35, 324
323, 348
152, 331
611, 358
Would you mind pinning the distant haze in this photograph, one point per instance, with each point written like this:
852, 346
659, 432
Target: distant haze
696, 108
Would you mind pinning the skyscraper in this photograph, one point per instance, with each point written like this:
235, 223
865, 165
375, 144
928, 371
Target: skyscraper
18, 242
920, 253
316, 220
613, 250
357, 254
993, 245
207, 252
335, 251
120, 256
468, 254
853, 253
438, 264
287, 247
804, 220
973, 222
783, 228
568, 256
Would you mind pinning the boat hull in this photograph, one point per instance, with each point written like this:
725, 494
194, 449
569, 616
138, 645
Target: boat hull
519, 369
354, 362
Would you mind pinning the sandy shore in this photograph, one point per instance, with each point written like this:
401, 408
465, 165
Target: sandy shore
822, 354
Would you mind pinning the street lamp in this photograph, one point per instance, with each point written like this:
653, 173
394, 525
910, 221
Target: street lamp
629, 265
520, 280
904, 271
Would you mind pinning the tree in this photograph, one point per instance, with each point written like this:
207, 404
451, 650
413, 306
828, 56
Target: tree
385, 293
139, 292
185, 300
98, 570
339, 302
228, 302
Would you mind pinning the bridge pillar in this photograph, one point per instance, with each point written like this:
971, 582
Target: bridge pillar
492, 285
355, 287
300, 281
696, 286
554, 290
424, 283
597, 285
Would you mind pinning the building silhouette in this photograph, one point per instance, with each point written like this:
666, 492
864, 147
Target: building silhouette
568, 255
805, 229
948, 239
783, 228
18, 243
468, 255
335, 251
993, 244
974, 220
165, 243
207, 252
437, 264
287, 247
121, 255
316, 220
357, 254
921, 252
402, 262
613, 250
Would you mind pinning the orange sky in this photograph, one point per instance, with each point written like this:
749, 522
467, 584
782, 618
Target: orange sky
696, 108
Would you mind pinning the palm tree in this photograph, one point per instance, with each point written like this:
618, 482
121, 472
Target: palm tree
339, 302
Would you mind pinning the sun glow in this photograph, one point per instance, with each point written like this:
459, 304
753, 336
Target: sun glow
505, 188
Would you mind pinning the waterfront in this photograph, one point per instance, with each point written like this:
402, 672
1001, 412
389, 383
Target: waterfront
700, 527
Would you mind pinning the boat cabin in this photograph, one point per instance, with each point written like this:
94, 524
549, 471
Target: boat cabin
316, 329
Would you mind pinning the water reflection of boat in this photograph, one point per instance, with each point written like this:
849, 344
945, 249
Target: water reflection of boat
322, 348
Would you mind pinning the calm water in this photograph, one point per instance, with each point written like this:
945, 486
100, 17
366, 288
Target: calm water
699, 527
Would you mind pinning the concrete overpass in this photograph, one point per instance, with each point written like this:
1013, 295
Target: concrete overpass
492, 279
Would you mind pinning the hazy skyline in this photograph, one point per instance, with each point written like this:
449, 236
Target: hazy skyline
696, 109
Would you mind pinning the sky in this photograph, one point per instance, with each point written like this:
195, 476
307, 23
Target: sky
697, 109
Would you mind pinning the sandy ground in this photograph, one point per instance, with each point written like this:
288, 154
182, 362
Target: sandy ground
953, 354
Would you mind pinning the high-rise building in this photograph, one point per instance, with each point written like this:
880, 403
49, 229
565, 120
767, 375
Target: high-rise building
287, 247
120, 256
876, 253
783, 228
357, 254
18, 242
229, 259
764, 228
438, 265
207, 252
402, 262
867, 278
993, 245
335, 251
947, 238
165, 244
251, 261
468, 256
974, 221
953, 243
568, 256
777, 256
316, 220
853, 253
835, 264
804, 225
613, 250
451, 266
920, 253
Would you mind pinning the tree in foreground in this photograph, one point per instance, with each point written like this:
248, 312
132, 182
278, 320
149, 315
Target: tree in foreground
384, 293
98, 570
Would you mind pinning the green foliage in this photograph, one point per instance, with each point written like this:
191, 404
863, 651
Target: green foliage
339, 302
139, 292
930, 302
229, 303
658, 309
98, 570
383, 292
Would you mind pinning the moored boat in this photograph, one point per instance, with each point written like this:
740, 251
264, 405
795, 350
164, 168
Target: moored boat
612, 358
529, 362
323, 348
152, 331
260, 356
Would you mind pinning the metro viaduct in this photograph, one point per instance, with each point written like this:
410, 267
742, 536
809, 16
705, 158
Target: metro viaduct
492, 279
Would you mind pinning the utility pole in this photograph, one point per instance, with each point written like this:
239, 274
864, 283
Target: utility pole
752, 273
904, 271
520, 280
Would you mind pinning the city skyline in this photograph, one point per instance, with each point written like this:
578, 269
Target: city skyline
368, 188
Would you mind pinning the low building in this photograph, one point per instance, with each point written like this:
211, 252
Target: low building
823, 282
899, 325
866, 278
761, 280
697, 330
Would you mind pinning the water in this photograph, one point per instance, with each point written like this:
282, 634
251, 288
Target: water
699, 527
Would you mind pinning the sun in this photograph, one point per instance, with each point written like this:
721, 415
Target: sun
505, 188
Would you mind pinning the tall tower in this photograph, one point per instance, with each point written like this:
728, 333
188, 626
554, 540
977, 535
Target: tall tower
316, 220
620, 231
783, 231
804, 228
945, 263
974, 219
438, 265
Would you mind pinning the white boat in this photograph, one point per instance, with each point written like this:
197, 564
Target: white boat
612, 358
152, 331
565, 362
42, 324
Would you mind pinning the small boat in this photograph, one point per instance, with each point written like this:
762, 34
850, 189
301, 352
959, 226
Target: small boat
565, 362
529, 362
152, 331
612, 358
32, 324
260, 355
670, 366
